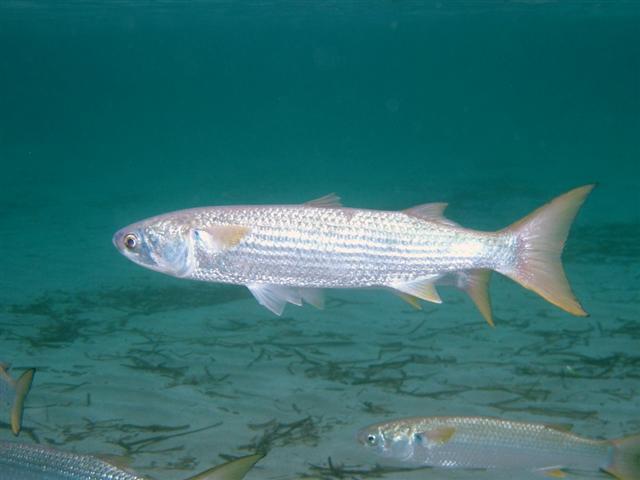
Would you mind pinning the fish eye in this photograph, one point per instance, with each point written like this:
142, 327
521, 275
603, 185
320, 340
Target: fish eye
130, 241
371, 439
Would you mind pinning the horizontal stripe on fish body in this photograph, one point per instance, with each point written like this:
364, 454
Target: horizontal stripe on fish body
344, 248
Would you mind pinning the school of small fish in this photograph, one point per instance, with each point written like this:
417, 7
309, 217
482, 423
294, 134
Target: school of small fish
290, 253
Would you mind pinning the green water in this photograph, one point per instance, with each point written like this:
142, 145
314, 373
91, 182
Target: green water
111, 112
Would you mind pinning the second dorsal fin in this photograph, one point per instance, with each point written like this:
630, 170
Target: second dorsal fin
328, 201
434, 212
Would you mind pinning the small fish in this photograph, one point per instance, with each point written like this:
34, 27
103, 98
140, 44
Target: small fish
22, 461
491, 443
13, 393
289, 253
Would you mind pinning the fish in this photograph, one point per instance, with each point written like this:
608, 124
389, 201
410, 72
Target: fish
291, 253
493, 443
23, 461
13, 394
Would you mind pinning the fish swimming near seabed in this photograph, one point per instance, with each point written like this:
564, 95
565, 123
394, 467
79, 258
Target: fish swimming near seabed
492, 443
22, 461
289, 253
13, 394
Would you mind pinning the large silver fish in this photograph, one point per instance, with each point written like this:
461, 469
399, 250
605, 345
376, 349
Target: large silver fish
13, 394
288, 253
21, 461
491, 443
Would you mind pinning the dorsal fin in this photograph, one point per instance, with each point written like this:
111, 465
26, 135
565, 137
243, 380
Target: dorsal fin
563, 427
328, 201
434, 212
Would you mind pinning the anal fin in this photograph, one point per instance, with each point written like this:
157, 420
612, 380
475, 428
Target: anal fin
423, 288
476, 284
410, 299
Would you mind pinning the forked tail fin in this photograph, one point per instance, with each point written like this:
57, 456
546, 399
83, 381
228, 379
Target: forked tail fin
23, 385
540, 238
625, 459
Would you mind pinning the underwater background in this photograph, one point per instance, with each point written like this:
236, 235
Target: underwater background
111, 112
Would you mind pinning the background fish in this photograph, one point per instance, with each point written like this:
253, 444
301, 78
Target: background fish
484, 442
288, 253
13, 394
21, 461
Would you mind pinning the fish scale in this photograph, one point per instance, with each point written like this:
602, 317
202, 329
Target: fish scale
492, 443
285, 246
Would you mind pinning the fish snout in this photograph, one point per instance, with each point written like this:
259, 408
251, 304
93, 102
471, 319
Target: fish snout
117, 239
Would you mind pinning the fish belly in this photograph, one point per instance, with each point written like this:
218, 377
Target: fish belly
342, 248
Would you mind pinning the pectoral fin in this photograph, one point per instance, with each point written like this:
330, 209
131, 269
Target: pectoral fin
217, 238
233, 470
423, 288
552, 472
440, 435
23, 385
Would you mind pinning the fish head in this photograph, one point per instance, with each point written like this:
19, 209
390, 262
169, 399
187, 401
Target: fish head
161, 243
388, 440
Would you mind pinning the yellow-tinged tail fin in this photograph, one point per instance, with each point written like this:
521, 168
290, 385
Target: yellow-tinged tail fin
233, 470
625, 459
540, 239
23, 385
